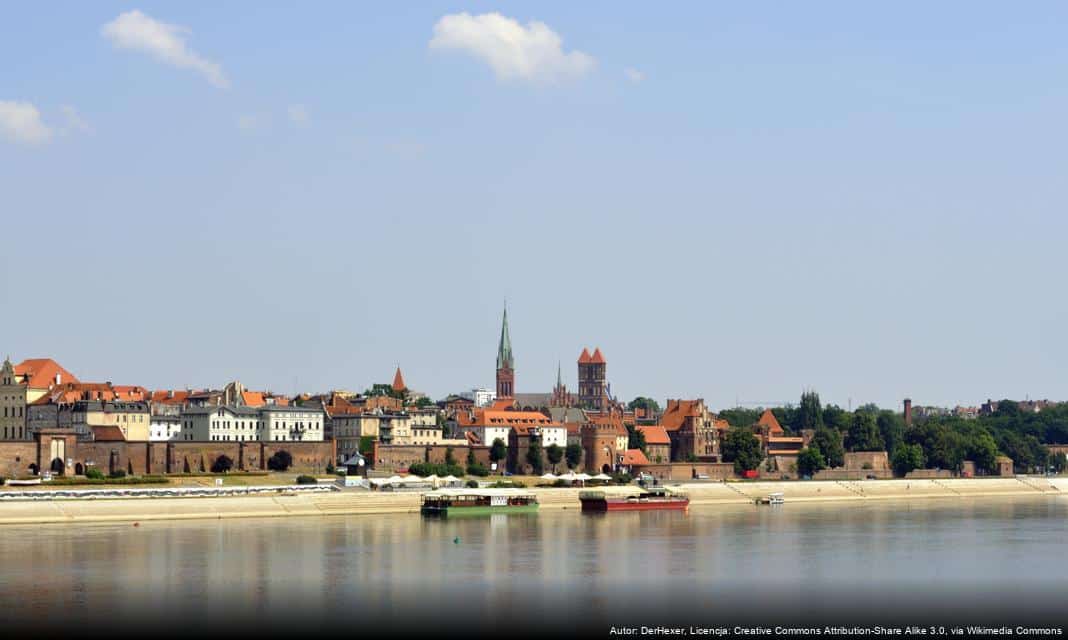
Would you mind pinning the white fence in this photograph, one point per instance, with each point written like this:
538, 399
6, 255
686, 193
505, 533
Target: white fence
169, 492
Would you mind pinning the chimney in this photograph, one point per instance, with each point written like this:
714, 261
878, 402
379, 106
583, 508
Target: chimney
908, 412
59, 378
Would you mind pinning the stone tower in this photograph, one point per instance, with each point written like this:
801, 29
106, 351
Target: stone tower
592, 381
505, 362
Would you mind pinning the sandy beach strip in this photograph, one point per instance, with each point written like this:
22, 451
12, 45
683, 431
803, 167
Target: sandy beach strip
350, 502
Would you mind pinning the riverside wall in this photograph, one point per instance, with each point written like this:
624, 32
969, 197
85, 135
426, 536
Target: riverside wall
355, 502
17, 459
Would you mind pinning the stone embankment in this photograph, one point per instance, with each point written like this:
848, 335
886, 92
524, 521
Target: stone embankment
353, 502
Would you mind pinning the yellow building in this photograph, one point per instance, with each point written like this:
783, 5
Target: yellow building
132, 418
22, 384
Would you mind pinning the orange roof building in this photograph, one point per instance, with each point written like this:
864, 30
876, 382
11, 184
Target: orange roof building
41, 373
633, 457
398, 381
769, 423
655, 434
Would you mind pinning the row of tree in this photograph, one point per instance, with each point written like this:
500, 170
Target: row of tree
935, 443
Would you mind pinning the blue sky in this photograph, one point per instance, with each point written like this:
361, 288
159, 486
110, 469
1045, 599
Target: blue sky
734, 202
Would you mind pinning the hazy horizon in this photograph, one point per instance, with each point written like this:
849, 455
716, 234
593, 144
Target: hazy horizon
731, 203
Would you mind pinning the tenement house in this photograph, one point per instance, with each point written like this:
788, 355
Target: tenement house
21, 385
268, 423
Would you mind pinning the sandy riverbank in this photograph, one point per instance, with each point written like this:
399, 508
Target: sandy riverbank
367, 503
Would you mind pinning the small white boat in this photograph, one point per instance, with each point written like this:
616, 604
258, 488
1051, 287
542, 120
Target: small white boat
772, 498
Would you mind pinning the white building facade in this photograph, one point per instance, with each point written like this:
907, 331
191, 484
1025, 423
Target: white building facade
270, 423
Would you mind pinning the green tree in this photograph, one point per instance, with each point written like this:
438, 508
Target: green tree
742, 448
498, 451
809, 461
829, 443
424, 402
554, 454
907, 457
1007, 408
648, 404
635, 438
385, 390
534, 457
222, 464
471, 459
573, 455
1058, 461
981, 449
870, 407
810, 413
863, 433
891, 429
450, 459
740, 416
835, 417
280, 461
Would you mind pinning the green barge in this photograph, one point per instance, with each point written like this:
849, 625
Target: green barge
476, 502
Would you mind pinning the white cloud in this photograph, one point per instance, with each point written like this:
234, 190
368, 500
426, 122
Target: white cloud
634, 75
251, 122
298, 114
532, 52
21, 122
74, 120
165, 42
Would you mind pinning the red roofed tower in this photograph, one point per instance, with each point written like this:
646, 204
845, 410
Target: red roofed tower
592, 381
398, 381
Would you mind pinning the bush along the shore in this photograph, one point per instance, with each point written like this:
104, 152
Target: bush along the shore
432, 469
303, 479
94, 474
280, 461
67, 481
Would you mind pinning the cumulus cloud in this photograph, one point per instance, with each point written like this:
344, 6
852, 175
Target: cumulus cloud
533, 52
21, 122
634, 75
165, 42
298, 114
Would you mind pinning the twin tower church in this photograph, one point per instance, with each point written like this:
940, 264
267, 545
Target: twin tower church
594, 392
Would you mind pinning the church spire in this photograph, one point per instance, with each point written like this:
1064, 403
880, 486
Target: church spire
559, 376
504, 350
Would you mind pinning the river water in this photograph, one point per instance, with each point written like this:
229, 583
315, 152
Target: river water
996, 560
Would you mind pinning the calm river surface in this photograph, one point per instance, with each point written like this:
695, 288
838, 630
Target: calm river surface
979, 559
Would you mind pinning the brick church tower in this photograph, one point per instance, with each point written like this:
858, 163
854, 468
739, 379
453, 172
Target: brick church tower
592, 381
505, 363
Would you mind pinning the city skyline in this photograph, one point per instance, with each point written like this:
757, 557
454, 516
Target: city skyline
732, 204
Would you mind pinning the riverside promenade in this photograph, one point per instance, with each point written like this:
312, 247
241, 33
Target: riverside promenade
360, 502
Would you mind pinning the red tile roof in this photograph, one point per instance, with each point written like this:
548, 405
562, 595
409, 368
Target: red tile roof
654, 434
108, 433
253, 398
584, 358
634, 456
130, 393
676, 413
597, 357
40, 373
398, 381
767, 419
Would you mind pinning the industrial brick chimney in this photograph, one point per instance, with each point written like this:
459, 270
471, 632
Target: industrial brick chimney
908, 412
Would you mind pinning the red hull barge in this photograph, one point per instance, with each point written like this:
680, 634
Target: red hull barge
652, 500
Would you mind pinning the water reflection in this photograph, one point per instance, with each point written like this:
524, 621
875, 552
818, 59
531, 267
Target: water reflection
566, 562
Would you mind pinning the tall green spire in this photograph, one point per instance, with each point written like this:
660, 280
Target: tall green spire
504, 351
